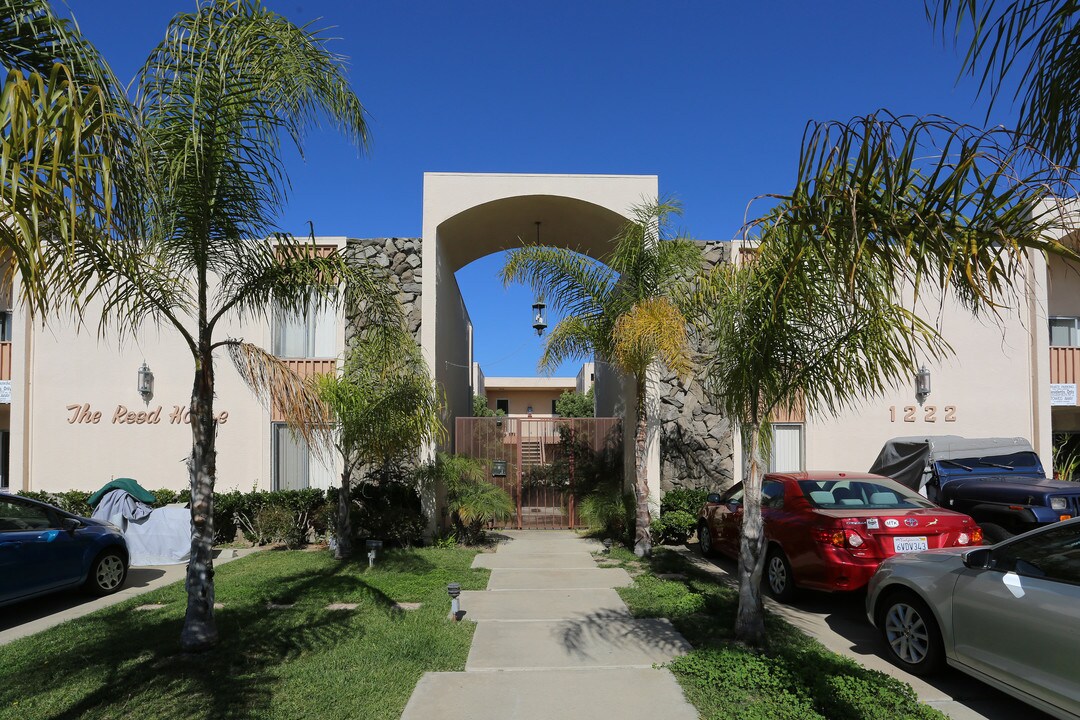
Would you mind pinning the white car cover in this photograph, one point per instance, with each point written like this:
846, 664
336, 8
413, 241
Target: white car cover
159, 536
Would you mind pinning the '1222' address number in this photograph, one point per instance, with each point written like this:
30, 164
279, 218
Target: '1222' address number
930, 413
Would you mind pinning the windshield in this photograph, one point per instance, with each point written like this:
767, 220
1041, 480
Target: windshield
1024, 461
861, 495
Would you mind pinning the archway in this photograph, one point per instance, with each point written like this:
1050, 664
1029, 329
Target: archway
468, 216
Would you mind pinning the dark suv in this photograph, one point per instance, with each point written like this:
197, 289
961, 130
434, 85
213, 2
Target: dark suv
998, 481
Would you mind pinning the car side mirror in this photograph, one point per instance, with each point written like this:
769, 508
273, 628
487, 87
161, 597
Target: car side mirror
713, 499
70, 524
979, 558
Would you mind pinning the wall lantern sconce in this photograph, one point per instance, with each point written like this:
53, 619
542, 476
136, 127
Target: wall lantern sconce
922, 384
146, 383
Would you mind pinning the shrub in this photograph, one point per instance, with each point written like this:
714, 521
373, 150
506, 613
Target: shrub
683, 500
673, 527
609, 512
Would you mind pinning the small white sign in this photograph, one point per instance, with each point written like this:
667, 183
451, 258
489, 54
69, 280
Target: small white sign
1063, 393
5, 392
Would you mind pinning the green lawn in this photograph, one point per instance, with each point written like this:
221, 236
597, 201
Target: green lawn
796, 678
301, 662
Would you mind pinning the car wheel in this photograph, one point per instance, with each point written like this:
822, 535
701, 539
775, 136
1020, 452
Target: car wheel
911, 634
778, 575
107, 573
993, 534
704, 538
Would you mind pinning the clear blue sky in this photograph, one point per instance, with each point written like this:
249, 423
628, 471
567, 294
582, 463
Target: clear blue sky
712, 97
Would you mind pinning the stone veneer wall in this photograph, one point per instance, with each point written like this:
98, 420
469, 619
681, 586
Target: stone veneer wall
400, 260
696, 447
696, 440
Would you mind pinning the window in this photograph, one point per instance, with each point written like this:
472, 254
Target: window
1054, 555
503, 404
306, 335
17, 517
5, 325
5, 458
772, 494
787, 448
294, 466
1065, 332
554, 409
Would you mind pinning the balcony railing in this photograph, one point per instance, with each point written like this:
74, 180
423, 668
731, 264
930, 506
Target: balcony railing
305, 368
5, 360
1064, 365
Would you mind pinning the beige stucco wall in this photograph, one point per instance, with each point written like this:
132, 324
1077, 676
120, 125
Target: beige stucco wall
56, 446
521, 399
996, 384
76, 369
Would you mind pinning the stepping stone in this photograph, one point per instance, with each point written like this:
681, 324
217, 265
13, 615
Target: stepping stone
671, 576
508, 579
627, 694
601, 640
407, 606
542, 604
342, 606
279, 606
219, 606
150, 606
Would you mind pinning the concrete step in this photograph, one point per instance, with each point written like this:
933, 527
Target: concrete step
556, 544
580, 560
511, 605
600, 640
626, 694
539, 579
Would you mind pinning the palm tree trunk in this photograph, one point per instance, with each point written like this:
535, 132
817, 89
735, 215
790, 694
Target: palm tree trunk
750, 620
344, 518
200, 630
642, 537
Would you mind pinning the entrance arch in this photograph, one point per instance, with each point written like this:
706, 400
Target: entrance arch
470, 215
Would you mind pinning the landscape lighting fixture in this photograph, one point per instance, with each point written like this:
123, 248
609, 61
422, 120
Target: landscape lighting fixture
453, 590
146, 383
922, 384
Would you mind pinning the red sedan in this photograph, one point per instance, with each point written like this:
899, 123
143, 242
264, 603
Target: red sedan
830, 530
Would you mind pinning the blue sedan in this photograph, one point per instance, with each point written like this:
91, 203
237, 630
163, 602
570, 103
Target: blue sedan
44, 549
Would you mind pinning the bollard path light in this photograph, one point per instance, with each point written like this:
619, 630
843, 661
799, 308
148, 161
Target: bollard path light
607, 545
453, 590
372, 547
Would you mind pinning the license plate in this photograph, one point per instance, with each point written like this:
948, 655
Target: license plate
909, 544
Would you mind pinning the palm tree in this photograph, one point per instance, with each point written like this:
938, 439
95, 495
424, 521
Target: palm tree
784, 329
385, 406
627, 312
214, 101
69, 162
470, 499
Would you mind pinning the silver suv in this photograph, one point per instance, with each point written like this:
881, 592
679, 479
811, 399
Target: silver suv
1008, 614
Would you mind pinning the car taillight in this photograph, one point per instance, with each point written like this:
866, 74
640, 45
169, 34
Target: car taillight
830, 537
977, 535
853, 538
963, 539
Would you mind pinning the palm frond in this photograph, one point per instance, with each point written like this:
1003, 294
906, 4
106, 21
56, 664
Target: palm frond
70, 165
295, 398
925, 199
1030, 45
573, 283
573, 337
654, 329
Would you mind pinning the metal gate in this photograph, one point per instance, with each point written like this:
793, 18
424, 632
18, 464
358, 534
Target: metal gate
542, 462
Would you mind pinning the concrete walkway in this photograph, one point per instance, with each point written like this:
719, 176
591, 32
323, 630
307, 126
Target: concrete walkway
553, 639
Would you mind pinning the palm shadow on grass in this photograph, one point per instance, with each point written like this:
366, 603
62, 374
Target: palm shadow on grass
125, 659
